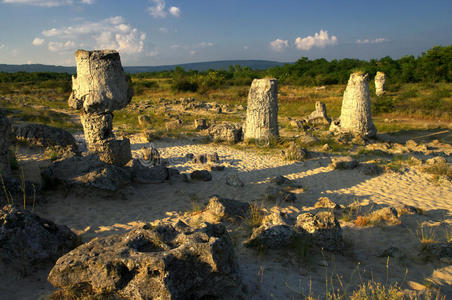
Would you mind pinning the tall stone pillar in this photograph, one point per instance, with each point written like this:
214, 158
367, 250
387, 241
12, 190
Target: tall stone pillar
99, 88
380, 83
262, 112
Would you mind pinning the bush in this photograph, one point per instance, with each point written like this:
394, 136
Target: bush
184, 84
383, 104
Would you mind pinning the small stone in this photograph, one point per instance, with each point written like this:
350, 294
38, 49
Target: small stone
295, 152
325, 202
343, 163
234, 180
175, 124
201, 175
326, 147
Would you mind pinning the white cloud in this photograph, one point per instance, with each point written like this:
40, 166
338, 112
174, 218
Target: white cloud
37, 42
279, 45
2, 46
204, 45
245, 47
192, 52
111, 33
48, 3
175, 11
158, 9
375, 41
153, 53
163, 30
320, 39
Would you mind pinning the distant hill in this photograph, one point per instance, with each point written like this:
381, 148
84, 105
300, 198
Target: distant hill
201, 66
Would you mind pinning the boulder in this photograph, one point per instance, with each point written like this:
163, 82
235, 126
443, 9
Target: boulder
325, 202
14, 191
115, 152
319, 116
262, 110
227, 209
343, 163
370, 169
148, 174
27, 239
201, 175
149, 156
234, 180
174, 124
295, 152
152, 262
226, 132
45, 136
279, 195
200, 124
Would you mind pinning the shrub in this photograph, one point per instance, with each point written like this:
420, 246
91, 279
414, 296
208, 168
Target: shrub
184, 84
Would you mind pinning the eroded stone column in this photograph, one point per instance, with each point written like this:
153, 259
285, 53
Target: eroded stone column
262, 112
5, 131
380, 83
99, 88
356, 111
319, 116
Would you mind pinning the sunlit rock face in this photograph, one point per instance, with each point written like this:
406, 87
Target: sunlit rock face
380, 83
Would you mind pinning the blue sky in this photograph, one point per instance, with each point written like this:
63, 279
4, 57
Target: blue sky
157, 32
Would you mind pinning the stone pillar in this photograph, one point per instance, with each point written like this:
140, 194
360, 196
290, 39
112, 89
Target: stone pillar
5, 132
355, 113
319, 116
99, 88
262, 112
380, 83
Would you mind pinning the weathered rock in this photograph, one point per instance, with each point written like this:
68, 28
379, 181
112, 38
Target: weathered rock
281, 180
201, 175
226, 132
356, 115
87, 172
319, 116
295, 152
437, 250
148, 174
325, 202
323, 228
149, 156
227, 209
45, 136
206, 158
99, 88
153, 262
262, 110
5, 141
307, 139
100, 84
175, 124
380, 83
200, 124
27, 239
215, 167
144, 120
234, 180
436, 160
15, 191
370, 169
343, 163
279, 195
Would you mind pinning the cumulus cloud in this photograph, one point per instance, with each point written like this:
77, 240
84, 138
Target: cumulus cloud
320, 39
37, 42
279, 45
158, 10
48, 3
175, 11
112, 33
375, 41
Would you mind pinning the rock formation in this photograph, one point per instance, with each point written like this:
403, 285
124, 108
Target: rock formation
5, 130
262, 111
99, 88
356, 115
27, 239
226, 132
380, 83
319, 116
161, 261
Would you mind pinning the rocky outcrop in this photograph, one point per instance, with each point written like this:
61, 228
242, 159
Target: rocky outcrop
45, 136
99, 88
5, 131
27, 239
380, 83
226, 132
227, 209
356, 115
319, 116
153, 262
262, 110
201, 175
295, 152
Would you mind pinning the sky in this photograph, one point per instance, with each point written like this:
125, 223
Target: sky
162, 32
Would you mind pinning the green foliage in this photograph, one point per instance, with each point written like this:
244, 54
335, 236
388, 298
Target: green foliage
383, 104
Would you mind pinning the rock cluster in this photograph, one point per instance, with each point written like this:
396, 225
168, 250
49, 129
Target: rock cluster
319, 116
5, 131
262, 110
99, 88
226, 132
356, 115
27, 239
380, 83
165, 261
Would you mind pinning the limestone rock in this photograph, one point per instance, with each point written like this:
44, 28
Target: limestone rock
14, 190
226, 132
370, 169
175, 124
201, 175
356, 111
45, 136
200, 124
295, 152
436, 160
148, 174
262, 110
234, 180
319, 116
144, 120
100, 84
115, 152
325, 202
343, 163
5, 141
27, 239
380, 83
227, 208
323, 228
153, 262
279, 195
149, 156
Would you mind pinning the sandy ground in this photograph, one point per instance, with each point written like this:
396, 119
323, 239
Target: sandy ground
276, 274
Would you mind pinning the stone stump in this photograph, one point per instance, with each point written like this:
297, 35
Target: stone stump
5, 131
319, 116
99, 88
380, 83
262, 112
356, 115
